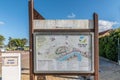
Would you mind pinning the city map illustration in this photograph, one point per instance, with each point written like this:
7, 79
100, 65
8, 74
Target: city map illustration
63, 52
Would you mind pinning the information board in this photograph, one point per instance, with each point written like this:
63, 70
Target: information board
63, 52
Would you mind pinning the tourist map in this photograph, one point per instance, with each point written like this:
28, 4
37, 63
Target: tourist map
63, 52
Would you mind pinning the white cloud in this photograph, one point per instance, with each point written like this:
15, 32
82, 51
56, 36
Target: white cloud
1, 23
72, 15
106, 25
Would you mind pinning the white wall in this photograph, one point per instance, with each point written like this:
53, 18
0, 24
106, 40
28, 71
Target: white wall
11, 66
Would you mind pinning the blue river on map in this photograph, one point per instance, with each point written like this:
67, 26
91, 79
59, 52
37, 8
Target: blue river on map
72, 54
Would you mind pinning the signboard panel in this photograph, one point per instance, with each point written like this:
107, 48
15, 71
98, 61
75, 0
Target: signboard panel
11, 66
62, 24
63, 52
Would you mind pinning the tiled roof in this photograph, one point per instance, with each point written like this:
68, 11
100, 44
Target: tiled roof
102, 33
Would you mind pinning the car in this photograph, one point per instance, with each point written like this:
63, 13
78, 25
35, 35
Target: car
19, 48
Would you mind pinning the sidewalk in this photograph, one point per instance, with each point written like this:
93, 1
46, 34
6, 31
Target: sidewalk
109, 70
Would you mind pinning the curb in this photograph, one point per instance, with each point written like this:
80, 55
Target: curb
109, 60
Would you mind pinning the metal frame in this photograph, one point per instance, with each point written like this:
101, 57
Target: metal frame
96, 45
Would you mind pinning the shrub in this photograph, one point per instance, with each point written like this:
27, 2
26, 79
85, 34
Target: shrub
108, 45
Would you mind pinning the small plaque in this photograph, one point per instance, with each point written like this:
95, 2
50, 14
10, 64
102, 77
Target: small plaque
10, 61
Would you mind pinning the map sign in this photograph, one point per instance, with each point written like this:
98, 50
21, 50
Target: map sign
63, 53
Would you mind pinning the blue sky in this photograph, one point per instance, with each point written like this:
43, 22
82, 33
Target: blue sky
14, 14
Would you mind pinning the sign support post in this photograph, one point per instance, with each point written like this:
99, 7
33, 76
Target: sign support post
32, 14
96, 47
32, 76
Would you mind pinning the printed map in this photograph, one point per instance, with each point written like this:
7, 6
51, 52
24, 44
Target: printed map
59, 52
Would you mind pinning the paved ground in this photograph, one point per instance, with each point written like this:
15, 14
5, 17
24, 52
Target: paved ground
108, 69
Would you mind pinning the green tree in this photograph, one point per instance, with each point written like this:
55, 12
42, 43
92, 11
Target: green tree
1, 40
16, 42
9, 43
24, 42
